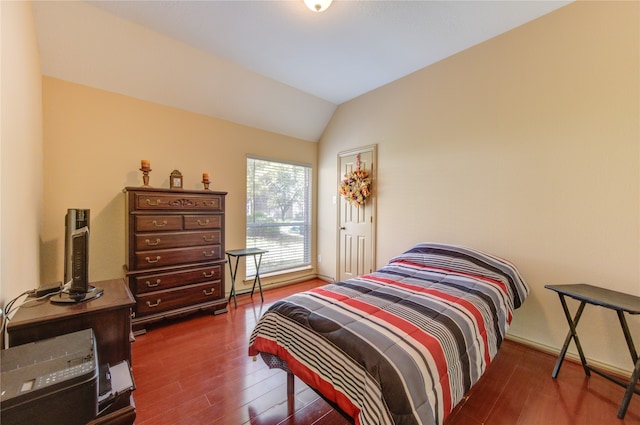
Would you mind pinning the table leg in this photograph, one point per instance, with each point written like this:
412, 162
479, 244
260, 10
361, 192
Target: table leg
233, 280
631, 388
627, 336
573, 323
257, 263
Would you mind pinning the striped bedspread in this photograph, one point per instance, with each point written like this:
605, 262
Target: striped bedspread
401, 345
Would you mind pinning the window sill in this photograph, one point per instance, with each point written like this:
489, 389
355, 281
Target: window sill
249, 279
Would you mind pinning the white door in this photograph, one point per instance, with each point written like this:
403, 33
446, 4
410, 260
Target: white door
356, 224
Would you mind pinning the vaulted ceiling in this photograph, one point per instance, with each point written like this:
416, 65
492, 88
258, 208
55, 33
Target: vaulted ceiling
273, 65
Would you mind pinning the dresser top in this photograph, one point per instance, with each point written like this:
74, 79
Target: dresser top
173, 191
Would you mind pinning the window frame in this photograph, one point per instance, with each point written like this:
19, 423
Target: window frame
278, 260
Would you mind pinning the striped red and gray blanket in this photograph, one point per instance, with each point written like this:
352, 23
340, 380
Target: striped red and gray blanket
401, 345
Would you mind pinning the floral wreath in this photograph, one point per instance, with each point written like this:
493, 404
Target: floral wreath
356, 186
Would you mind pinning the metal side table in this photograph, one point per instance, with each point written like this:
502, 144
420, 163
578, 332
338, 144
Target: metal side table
256, 253
621, 303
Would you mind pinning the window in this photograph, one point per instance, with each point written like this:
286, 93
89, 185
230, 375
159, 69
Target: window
278, 214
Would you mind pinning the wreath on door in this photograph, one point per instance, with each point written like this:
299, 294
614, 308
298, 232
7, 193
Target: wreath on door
355, 188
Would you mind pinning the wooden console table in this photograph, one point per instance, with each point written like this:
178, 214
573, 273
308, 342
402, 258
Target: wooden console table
108, 315
621, 303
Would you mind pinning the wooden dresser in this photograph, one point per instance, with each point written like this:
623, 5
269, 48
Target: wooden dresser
175, 252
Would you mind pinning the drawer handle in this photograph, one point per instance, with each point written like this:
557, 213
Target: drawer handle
205, 274
208, 294
151, 203
206, 239
210, 203
153, 285
149, 243
156, 304
207, 254
203, 223
161, 224
150, 261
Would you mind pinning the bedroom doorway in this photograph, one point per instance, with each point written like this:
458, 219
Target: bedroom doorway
356, 224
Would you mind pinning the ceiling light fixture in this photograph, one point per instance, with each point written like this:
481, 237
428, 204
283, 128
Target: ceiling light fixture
318, 5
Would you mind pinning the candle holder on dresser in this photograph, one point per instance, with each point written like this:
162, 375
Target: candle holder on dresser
205, 180
145, 176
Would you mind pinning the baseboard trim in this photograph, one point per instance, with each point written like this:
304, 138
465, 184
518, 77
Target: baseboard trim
622, 373
273, 284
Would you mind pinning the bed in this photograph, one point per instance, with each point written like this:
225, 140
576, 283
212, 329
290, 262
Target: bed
401, 345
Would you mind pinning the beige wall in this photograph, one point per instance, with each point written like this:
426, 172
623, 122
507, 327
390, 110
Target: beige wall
526, 146
20, 152
93, 143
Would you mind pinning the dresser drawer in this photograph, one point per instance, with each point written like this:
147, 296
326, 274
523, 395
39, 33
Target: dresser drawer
171, 257
156, 223
149, 241
162, 281
160, 301
178, 201
198, 222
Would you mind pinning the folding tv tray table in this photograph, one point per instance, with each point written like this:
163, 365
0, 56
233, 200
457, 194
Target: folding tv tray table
256, 253
618, 301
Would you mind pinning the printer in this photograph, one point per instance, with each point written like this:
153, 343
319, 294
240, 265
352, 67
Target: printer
52, 381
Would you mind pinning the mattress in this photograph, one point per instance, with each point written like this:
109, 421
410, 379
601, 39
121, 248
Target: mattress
401, 345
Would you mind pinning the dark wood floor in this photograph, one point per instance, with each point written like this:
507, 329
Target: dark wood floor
196, 371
